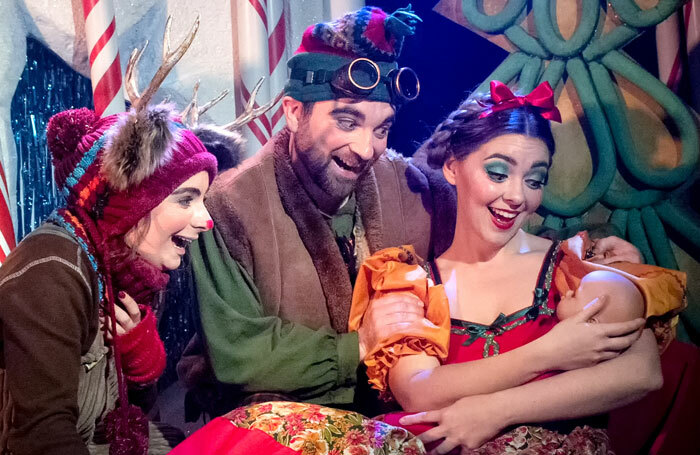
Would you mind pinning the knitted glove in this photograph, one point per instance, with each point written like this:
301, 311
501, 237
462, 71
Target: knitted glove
143, 354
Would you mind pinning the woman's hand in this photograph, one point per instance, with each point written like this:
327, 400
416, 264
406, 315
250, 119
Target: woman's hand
469, 423
575, 343
613, 249
127, 317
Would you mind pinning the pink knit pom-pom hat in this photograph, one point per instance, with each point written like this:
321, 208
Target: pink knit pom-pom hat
121, 167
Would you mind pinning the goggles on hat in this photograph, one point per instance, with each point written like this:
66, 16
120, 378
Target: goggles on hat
360, 77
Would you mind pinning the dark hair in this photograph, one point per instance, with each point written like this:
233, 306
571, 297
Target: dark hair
307, 107
463, 131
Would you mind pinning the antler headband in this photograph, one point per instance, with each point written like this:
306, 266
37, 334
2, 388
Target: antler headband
190, 115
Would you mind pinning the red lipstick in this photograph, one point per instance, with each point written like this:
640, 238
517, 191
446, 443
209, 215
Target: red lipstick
502, 222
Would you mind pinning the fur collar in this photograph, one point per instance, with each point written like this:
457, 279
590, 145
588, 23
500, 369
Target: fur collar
318, 237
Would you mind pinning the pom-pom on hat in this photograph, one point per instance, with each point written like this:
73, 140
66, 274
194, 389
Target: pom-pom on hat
121, 167
326, 47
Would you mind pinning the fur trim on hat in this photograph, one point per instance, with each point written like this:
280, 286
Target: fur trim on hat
227, 146
138, 144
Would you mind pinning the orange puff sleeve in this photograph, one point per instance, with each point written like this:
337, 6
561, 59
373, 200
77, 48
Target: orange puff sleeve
399, 270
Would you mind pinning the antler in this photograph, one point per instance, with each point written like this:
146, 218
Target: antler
132, 88
169, 60
249, 113
190, 115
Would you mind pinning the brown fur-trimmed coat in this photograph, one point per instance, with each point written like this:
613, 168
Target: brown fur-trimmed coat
273, 229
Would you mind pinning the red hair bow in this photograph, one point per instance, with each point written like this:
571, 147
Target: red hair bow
542, 97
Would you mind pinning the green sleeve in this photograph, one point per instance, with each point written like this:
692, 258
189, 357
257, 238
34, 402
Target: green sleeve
260, 352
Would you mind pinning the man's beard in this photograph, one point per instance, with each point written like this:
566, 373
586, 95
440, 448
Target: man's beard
319, 169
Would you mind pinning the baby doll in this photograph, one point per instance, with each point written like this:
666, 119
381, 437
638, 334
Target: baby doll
624, 300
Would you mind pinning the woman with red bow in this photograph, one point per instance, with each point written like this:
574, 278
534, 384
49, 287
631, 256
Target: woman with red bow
501, 287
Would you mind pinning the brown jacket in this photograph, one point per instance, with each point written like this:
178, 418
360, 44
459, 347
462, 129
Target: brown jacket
49, 322
57, 376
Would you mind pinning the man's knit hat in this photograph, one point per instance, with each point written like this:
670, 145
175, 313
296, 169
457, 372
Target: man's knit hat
329, 46
119, 168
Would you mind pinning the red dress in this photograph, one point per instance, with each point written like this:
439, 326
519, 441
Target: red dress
472, 341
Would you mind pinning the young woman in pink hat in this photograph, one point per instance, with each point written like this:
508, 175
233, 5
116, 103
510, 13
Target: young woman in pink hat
77, 295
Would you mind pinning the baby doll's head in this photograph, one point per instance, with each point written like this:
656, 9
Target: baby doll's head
625, 301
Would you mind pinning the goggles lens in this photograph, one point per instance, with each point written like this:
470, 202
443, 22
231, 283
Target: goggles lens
358, 78
405, 83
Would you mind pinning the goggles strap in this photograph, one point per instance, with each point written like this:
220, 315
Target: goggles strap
309, 77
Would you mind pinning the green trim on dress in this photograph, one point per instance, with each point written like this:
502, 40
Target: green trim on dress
504, 323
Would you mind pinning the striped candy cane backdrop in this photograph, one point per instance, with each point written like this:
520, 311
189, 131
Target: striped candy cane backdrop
7, 232
103, 49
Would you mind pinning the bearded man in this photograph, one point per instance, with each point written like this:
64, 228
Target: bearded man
294, 222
